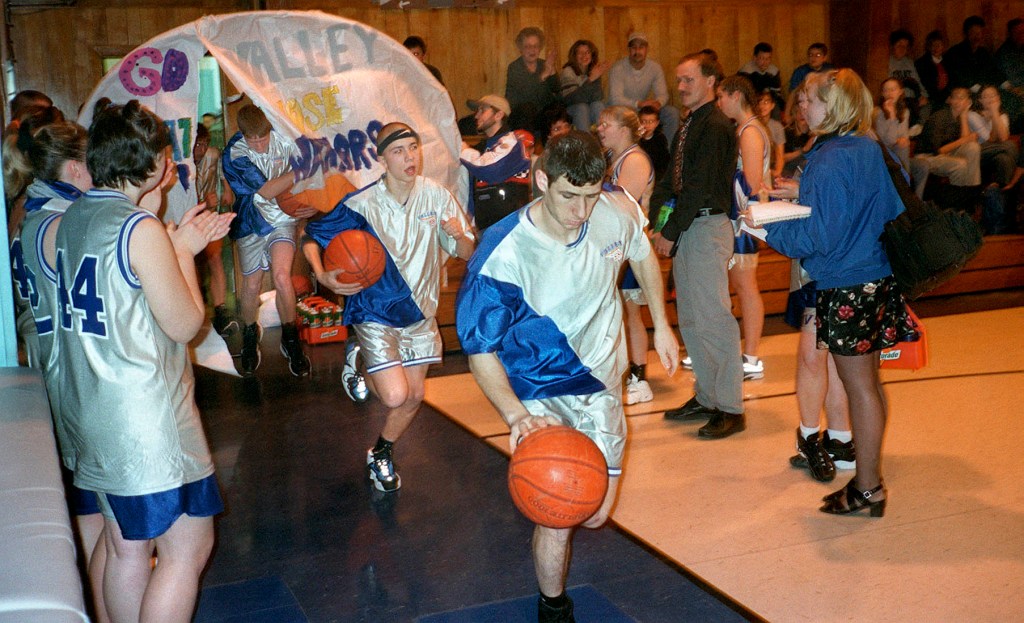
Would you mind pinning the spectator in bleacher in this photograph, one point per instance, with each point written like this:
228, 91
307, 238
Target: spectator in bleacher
901, 66
635, 82
1000, 168
557, 122
892, 119
581, 84
948, 147
531, 82
970, 63
653, 141
799, 138
765, 110
418, 47
764, 75
931, 69
499, 167
817, 61
1010, 58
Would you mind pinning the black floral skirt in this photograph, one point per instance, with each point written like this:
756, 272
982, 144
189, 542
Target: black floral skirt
862, 319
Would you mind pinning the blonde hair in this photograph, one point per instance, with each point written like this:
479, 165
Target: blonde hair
848, 105
626, 117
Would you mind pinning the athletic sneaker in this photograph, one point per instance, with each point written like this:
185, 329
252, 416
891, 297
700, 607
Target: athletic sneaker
382, 471
638, 391
843, 454
251, 357
298, 361
688, 363
223, 323
753, 368
551, 614
351, 380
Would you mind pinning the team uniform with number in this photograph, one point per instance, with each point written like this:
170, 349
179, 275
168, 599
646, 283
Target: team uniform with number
260, 222
127, 389
553, 316
36, 283
394, 318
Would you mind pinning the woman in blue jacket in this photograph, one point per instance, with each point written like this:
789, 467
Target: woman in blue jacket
860, 309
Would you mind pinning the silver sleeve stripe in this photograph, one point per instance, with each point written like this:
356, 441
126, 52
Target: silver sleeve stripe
123, 239
48, 270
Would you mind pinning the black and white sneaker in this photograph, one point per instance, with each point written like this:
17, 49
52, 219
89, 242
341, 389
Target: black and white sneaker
250, 357
547, 613
382, 471
298, 361
351, 379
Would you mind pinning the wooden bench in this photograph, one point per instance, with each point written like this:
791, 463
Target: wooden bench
999, 265
39, 579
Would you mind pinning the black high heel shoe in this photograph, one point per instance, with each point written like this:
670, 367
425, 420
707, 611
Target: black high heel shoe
855, 501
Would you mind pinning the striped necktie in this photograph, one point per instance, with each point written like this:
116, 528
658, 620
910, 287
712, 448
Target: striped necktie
677, 160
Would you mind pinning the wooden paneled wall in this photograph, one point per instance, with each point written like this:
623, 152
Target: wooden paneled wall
59, 50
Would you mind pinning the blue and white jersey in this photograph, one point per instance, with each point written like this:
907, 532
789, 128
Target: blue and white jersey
246, 171
126, 389
34, 278
36, 284
552, 312
412, 236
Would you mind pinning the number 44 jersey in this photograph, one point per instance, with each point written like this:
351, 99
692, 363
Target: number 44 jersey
127, 390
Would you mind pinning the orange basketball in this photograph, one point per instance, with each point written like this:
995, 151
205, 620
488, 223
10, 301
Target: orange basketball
290, 204
557, 477
358, 254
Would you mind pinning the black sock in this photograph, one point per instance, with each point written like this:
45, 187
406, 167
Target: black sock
556, 603
640, 370
289, 332
383, 446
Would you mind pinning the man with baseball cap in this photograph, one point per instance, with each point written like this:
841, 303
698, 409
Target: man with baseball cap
635, 82
499, 167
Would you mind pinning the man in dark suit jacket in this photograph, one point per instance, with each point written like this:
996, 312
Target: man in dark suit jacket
700, 235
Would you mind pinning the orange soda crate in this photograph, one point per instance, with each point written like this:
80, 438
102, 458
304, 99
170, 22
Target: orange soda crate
320, 321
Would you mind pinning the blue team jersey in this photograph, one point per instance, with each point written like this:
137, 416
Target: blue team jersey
552, 312
414, 241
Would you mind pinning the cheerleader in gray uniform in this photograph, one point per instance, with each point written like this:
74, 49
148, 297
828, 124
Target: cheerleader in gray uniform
129, 302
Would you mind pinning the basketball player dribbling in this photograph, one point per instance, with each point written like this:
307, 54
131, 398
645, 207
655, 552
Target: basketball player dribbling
540, 317
420, 224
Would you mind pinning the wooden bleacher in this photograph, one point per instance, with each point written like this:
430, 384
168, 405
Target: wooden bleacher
999, 265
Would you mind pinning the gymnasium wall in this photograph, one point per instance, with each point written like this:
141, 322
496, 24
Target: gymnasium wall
59, 51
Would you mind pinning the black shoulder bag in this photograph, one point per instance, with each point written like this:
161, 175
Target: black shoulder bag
926, 245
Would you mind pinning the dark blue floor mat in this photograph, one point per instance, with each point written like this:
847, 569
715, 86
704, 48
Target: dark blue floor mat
589, 605
263, 600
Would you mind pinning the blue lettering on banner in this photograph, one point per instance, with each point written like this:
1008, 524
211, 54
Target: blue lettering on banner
346, 152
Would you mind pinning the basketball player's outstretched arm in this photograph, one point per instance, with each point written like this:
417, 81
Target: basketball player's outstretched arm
490, 375
164, 260
648, 274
